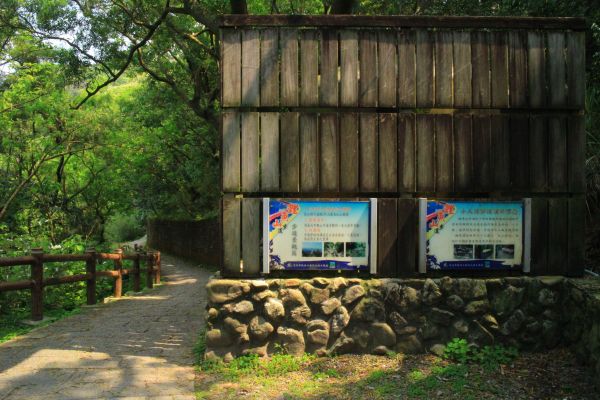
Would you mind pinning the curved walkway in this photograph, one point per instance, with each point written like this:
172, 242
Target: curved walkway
137, 347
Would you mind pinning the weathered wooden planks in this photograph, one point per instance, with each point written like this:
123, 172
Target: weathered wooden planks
231, 62
251, 227
576, 69
499, 69
231, 232
328, 89
462, 69
388, 153
269, 67
349, 68
309, 144
482, 153
444, 155
480, 60
231, 151
368, 152
425, 153
406, 153
463, 161
309, 65
406, 69
387, 66
387, 237
368, 69
329, 154
557, 154
556, 69
250, 68
517, 54
536, 69
443, 69
269, 152
250, 153
425, 66
290, 152
349, 163
289, 67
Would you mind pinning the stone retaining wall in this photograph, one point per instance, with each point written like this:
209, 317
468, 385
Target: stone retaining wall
338, 315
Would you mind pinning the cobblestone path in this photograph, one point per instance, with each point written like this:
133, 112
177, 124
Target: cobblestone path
138, 347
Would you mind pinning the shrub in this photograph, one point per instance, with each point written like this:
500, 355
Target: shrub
123, 227
489, 357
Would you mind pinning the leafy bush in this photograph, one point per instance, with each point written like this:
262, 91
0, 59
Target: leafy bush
123, 228
489, 357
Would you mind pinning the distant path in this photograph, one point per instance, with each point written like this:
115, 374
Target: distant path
137, 347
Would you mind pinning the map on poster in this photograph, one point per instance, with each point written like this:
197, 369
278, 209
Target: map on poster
473, 235
317, 235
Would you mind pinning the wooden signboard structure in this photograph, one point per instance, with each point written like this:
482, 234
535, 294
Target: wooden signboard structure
401, 108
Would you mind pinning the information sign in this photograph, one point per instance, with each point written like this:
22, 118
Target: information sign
318, 235
481, 235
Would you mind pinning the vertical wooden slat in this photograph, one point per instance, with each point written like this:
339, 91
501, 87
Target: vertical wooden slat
480, 58
90, 270
443, 69
269, 151
387, 67
576, 155
518, 68
424, 68
538, 154
500, 151
557, 154
387, 237
309, 144
425, 153
519, 152
232, 217
407, 237
539, 236
388, 153
289, 67
407, 73
349, 152
576, 69
536, 69
290, 149
349, 68
309, 66
329, 163
556, 69
328, 88
250, 68
576, 237
231, 67
250, 151
368, 69
444, 162
557, 236
463, 153
499, 69
406, 153
231, 151
482, 153
368, 152
462, 69
269, 68
251, 236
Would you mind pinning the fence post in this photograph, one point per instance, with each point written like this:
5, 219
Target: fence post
136, 272
90, 270
119, 268
157, 265
149, 267
37, 292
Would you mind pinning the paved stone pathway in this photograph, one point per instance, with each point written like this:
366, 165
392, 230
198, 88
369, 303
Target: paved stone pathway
138, 347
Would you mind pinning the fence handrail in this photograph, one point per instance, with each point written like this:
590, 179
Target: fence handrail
37, 282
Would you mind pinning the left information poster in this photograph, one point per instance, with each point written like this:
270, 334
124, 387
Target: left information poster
318, 235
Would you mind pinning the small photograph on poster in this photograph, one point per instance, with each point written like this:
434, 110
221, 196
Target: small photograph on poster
312, 249
505, 251
484, 251
463, 251
356, 249
333, 249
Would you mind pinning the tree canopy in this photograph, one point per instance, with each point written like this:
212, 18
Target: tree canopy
110, 107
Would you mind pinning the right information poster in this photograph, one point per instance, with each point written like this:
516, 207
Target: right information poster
473, 235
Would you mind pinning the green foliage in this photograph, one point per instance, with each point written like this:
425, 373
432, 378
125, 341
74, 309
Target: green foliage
276, 365
123, 227
489, 357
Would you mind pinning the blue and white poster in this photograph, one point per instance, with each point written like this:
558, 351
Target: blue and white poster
473, 235
317, 235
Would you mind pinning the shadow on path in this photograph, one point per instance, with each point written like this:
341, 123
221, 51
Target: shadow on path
140, 346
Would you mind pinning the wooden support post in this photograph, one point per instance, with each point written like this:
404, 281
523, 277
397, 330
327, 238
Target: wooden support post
119, 279
136, 272
149, 268
157, 265
37, 291
90, 269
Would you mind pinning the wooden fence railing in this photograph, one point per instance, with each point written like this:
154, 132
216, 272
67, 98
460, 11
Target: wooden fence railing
37, 282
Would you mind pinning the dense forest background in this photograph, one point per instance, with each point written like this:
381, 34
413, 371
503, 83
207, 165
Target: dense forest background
109, 108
